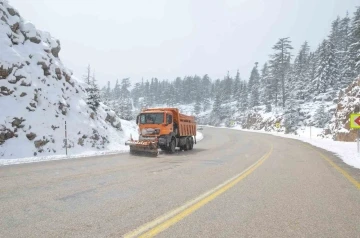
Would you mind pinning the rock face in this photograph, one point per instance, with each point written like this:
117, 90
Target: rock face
38, 94
114, 120
349, 102
31, 136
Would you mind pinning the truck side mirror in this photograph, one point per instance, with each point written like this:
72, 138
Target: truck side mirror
137, 119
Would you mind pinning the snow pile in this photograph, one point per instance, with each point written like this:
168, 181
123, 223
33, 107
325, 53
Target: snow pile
199, 136
38, 94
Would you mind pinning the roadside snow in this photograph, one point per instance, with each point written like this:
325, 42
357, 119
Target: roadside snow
199, 136
129, 129
347, 151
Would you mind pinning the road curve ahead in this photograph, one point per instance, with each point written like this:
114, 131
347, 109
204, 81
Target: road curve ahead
233, 184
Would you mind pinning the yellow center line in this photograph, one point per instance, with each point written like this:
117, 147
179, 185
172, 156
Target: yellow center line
343, 172
165, 221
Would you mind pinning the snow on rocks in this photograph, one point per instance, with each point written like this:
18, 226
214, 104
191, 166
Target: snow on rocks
349, 102
38, 94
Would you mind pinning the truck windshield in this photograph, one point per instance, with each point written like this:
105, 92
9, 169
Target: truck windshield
152, 118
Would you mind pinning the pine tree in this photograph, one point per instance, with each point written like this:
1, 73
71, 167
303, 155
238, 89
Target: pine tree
236, 87
344, 30
301, 71
265, 86
206, 104
243, 103
327, 72
346, 73
206, 92
116, 93
93, 99
291, 116
254, 85
354, 48
279, 64
321, 117
197, 106
102, 94
87, 76
216, 111
124, 108
311, 87
227, 88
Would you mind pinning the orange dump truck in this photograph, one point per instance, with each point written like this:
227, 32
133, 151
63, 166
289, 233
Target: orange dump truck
164, 128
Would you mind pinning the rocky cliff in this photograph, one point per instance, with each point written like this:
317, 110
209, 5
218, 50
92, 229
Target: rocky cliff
38, 94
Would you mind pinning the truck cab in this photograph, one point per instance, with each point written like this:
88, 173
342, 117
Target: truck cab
155, 123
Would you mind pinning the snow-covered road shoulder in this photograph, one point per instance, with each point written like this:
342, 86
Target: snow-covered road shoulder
347, 151
129, 129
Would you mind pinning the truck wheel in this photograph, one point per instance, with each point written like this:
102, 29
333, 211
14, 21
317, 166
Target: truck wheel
187, 145
191, 143
172, 147
163, 148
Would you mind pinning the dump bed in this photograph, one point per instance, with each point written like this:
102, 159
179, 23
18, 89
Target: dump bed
187, 125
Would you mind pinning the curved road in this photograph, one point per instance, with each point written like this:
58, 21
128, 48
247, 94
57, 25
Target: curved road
233, 184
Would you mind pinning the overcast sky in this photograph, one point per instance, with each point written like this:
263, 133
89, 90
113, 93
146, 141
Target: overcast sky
166, 39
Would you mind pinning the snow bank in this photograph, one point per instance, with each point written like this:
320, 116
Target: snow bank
129, 128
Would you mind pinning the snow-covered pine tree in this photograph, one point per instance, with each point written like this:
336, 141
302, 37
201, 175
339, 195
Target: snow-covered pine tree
102, 93
263, 83
216, 111
291, 116
117, 91
327, 71
147, 97
87, 76
177, 85
267, 89
197, 106
93, 99
254, 85
136, 93
236, 87
279, 64
310, 88
171, 96
206, 104
206, 92
227, 88
290, 82
350, 65
243, 103
354, 48
345, 76
124, 108
301, 70
321, 117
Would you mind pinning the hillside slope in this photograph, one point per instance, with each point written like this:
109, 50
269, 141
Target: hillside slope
38, 94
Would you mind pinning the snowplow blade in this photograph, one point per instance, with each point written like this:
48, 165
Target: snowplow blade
143, 147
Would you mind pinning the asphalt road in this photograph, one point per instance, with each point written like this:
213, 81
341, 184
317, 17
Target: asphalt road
279, 188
